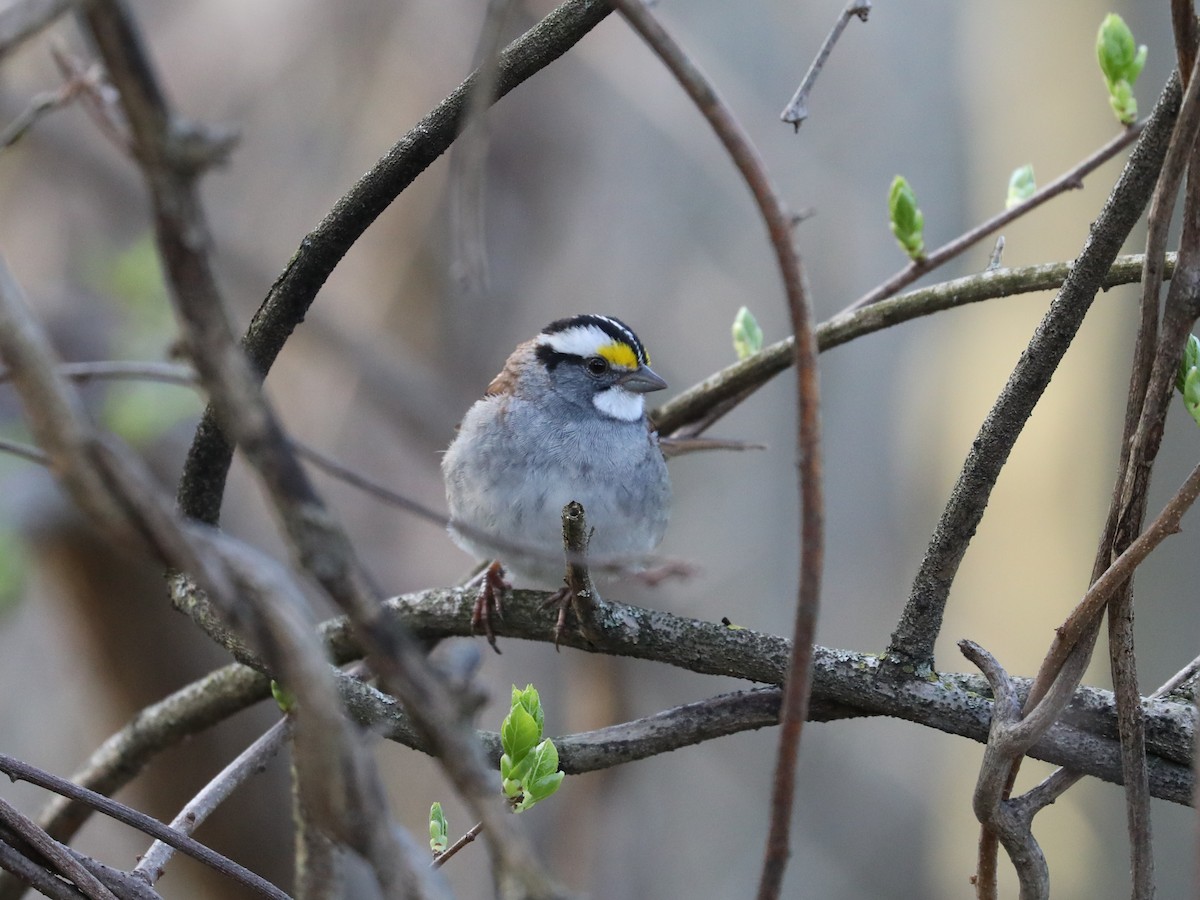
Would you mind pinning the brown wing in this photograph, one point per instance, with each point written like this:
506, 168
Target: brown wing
506, 381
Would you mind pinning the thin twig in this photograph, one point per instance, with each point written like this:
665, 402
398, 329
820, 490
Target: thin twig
1070, 180
442, 858
190, 710
248, 763
25, 451
41, 105
133, 370
797, 109
23, 871
373, 488
468, 164
580, 593
53, 852
1179, 679
21, 771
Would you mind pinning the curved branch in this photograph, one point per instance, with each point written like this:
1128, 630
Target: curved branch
202, 486
808, 422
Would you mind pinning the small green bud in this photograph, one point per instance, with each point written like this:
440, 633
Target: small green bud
747, 336
1021, 186
529, 700
1121, 63
283, 697
1187, 380
439, 830
907, 223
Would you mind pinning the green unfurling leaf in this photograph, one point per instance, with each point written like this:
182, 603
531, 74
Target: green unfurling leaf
529, 765
908, 225
1187, 380
1021, 186
1121, 63
439, 830
747, 335
543, 777
283, 697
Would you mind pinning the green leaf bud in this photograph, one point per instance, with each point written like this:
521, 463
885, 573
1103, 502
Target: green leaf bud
439, 830
907, 222
1021, 186
1121, 63
747, 335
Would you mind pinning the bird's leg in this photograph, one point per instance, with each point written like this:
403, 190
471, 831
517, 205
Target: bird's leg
563, 599
489, 603
578, 592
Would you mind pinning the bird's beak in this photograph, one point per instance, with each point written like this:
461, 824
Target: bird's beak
642, 380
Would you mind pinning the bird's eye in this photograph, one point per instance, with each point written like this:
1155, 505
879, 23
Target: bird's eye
596, 366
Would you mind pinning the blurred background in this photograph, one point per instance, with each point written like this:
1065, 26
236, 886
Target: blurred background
606, 192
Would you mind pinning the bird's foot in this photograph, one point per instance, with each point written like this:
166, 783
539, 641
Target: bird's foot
563, 598
489, 603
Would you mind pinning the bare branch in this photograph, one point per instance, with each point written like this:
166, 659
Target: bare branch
1007, 739
808, 424
320, 545
467, 837
53, 852
25, 871
797, 109
188, 711
249, 762
844, 682
1071, 180
20, 771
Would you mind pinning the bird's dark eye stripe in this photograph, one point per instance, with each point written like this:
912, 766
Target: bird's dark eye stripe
550, 357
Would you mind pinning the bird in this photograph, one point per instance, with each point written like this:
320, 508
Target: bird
564, 420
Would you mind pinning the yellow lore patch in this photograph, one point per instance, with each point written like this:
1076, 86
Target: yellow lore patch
619, 354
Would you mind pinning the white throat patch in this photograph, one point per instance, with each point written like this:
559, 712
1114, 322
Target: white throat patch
620, 404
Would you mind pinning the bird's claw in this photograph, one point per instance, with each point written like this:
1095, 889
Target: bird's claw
489, 603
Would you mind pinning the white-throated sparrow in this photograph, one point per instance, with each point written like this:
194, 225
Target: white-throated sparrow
564, 420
